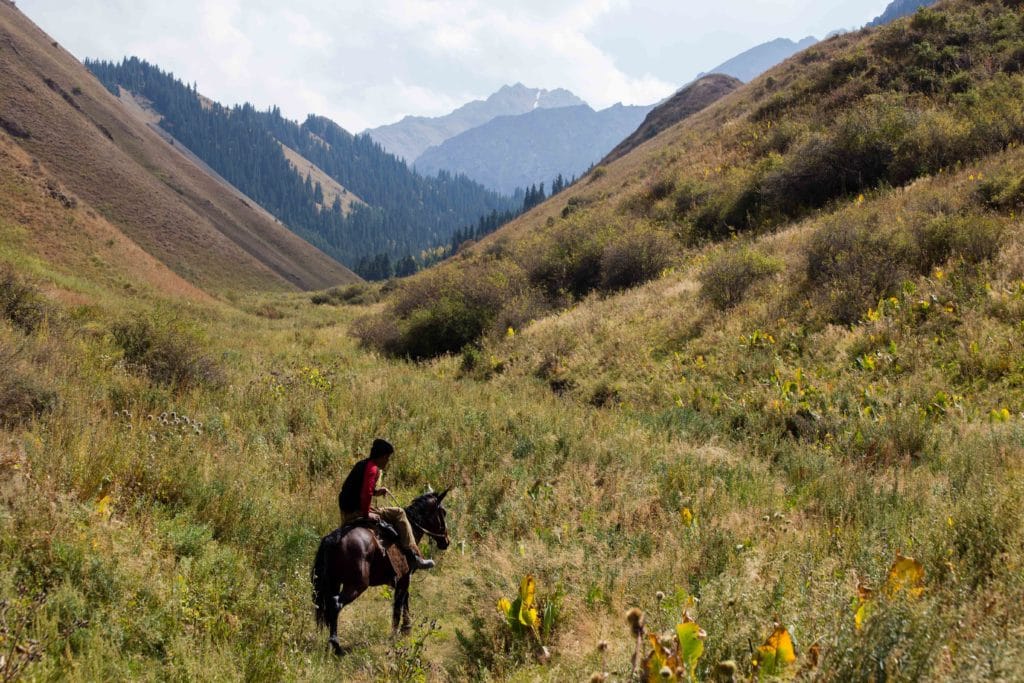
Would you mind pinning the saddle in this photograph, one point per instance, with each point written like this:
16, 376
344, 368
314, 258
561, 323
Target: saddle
387, 538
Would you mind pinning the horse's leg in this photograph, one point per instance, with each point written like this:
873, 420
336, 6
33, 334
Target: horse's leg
396, 605
347, 596
406, 620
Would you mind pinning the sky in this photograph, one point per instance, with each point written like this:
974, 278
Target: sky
365, 63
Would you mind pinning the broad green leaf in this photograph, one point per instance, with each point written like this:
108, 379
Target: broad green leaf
691, 645
514, 615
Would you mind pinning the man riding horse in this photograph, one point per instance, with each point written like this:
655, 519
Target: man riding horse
358, 491
352, 558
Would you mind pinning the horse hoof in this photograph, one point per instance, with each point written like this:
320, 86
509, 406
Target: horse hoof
336, 647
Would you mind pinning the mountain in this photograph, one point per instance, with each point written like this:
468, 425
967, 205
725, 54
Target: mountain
411, 136
685, 103
898, 9
748, 65
283, 165
121, 179
517, 151
859, 116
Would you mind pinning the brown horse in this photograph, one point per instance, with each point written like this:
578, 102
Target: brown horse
349, 561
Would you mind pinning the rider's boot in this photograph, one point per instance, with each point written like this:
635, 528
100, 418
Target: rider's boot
417, 561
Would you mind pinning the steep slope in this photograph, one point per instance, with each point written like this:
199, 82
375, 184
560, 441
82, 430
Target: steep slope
859, 112
898, 9
185, 218
411, 136
685, 103
401, 213
517, 151
750, 64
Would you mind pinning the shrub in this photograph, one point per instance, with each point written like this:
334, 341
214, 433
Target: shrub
853, 265
22, 397
167, 352
973, 238
568, 263
352, 295
442, 311
727, 278
1004, 192
633, 259
20, 303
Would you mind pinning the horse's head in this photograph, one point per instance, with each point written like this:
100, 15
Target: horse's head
427, 512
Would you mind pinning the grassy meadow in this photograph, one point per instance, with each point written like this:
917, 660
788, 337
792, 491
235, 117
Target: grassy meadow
657, 443
716, 378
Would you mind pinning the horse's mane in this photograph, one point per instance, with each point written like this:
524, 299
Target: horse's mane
419, 507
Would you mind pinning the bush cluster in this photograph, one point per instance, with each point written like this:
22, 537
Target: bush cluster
852, 262
167, 352
22, 397
20, 303
442, 311
353, 295
726, 279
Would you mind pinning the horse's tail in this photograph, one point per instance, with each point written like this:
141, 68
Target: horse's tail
319, 576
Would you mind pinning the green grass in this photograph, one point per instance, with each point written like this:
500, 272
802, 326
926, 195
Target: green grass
857, 394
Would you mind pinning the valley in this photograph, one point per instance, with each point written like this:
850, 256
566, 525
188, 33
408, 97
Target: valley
756, 374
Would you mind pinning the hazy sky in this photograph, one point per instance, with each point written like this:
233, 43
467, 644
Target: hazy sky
369, 62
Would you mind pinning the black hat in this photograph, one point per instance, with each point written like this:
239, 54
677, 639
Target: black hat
381, 448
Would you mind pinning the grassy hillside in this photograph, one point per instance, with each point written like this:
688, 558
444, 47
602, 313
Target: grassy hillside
82, 136
683, 104
753, 435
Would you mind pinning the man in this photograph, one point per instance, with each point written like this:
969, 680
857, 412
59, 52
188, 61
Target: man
358, 491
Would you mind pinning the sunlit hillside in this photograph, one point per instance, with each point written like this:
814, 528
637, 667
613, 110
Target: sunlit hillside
761, 379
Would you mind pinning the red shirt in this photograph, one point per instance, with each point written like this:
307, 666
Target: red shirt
370, 476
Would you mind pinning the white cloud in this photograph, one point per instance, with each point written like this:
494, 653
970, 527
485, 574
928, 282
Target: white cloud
369, 62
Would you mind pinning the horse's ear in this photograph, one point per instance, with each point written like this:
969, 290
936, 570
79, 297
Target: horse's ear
444, 493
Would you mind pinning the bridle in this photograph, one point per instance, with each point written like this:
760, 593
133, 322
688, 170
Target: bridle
432, 534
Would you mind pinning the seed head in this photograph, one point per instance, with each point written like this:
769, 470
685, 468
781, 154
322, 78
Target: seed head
665, 673
725, 672
597, 677
602, 646
635, 619
659, 596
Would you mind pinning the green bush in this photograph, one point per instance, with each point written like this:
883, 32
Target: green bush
634, 259
851, 264
353, 295
1004, 192
727, 278
22, 396
167, 352
569, 263
20, 303
973, 238
442, 311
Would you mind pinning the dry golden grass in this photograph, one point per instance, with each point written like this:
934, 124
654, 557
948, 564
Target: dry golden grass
126, 173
